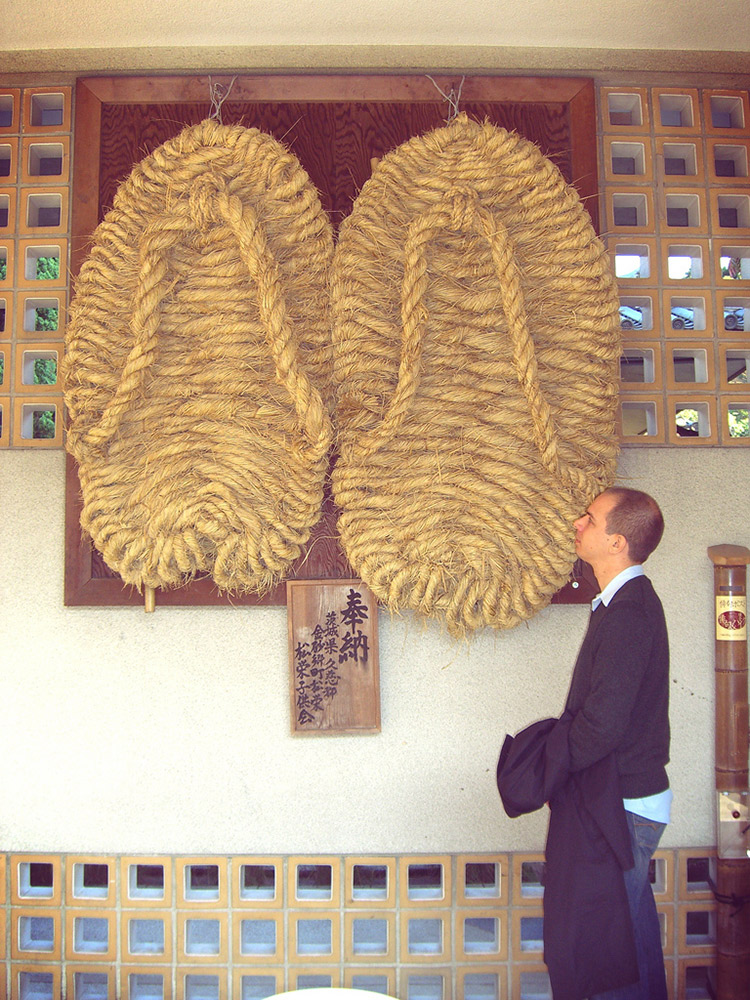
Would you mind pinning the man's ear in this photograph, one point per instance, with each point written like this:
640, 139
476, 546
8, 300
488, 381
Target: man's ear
618, 544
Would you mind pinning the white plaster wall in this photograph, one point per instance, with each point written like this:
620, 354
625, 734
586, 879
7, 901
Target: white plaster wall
126, 732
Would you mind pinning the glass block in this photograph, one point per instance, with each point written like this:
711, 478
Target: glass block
91, 881
425, 936
201, 987
532, 879
256, 987
314, 936
371, 983
425, 881
535, 986
201, 882
370, 882
313, 981
90, 986
531, 933
36, 880
257, 936
146, 936
314, 881
481, 880
202, 937
36, 986
91, 934
369, 936
481, 935
146, 881
258, 882
36, 933
424, 987
146, 986
481, 986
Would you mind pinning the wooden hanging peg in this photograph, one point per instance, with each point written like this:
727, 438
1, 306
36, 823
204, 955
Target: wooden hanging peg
149, 600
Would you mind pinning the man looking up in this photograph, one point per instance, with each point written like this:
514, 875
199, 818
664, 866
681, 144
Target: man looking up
619, 699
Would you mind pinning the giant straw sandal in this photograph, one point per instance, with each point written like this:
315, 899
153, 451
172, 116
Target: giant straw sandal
197, 370
476, 346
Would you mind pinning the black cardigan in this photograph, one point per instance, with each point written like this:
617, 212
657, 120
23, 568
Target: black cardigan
619, 693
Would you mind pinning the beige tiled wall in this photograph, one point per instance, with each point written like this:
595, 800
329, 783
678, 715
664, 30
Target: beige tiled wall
432, 927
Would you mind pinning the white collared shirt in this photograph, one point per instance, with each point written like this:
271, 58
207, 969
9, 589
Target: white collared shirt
654, 807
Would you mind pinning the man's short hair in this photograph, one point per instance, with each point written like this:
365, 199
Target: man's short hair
638, 518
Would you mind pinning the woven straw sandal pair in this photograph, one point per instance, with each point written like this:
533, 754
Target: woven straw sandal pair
463, 337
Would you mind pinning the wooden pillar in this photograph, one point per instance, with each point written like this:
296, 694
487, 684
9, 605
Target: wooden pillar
733, 870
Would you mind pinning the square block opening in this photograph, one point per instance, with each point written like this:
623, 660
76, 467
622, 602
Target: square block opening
482, 880
314, 936
90, 986
6, 161
202, 936
700, 928
692, 420
738, 420
42, 263
637, 365
425, 936
38, 421
146, 881
371, 983
314, 882
628, 158
36, 986
425, 881
699, 874
4, 264
734, 263
424, 987
370, 882
684, 262
201, 987
680, 159
636, 312
699, 984
47, 110
146, 936
91, 935
36, 933
687, 313
90, 881
258, 882
257, 936
532, 879
532, 929
481, 935
657, 867
535, 986
369, 936
676, 111
45, 159
39, 367
4, 211
730, 160
736, 366
625, 109
2, 366
481, 986
726, 112
632, 260
7, 110
201, 882
314, 981
3, 315
638, 418
44, 211
257, 987
630, 209
733, 211
36, 880
146, 986
683, 211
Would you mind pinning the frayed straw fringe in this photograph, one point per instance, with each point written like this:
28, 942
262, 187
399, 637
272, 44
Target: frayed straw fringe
198, 369
476, 345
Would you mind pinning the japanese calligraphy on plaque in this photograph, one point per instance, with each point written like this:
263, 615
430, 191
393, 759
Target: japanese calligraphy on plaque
333, 656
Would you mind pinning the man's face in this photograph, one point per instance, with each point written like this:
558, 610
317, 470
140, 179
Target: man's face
592, 539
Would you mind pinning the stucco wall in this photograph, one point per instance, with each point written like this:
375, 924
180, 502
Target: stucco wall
126, 732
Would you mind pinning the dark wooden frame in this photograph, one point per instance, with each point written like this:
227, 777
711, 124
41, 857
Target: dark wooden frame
324, 559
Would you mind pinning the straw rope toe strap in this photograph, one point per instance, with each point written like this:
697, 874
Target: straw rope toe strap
476, 340
197, 368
